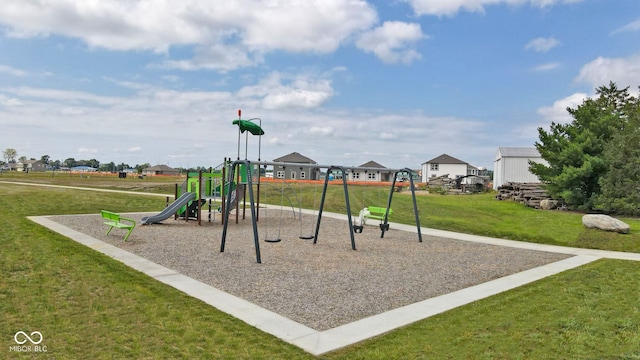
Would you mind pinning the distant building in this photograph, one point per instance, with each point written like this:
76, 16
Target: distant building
83, 169
512, 165
383, 174
446, 165
300, 171
31, 165
8, 167
160, 170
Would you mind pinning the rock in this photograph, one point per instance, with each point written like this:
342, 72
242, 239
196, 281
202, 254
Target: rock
605, 222
548, 204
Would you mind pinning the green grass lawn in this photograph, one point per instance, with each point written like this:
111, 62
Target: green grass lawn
478, 214
87, 305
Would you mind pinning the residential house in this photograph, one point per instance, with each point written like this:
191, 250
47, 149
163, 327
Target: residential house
450, 172
446, 165
512, 165
83, 168
9, 167
31, 165
302, 170
373, 175
160, 170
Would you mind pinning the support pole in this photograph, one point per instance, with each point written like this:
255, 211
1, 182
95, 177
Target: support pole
253, 209
258, 200
237, 184
244, 202
222, 206
415, 204
346, 199
385, 225
199, 189
175, 197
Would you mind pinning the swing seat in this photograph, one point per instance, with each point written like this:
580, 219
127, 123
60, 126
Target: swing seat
376, 212
358, 229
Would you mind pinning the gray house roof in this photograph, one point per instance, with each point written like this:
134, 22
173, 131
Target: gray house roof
372, 164
524, 152
295, 157
445, 159
160, 168
83, 168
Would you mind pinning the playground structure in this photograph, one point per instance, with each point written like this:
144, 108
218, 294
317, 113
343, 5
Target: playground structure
246, 166
230, 182
199, 190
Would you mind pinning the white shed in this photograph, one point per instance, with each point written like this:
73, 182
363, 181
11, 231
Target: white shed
512, 165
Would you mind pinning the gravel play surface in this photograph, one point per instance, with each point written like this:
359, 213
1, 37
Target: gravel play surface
321, 285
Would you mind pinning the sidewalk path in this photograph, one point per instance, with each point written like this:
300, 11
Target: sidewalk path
83, 188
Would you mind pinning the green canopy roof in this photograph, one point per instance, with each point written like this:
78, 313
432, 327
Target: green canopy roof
246, 125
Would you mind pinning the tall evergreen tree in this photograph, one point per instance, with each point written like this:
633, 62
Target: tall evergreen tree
620, 186
574, 151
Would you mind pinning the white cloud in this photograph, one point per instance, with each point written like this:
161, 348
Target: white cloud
12, 71
547, 67
275, 141
295, 98
387, 136
321, 130
306, 25
623, 71
179, 121
7, 101
118, 25
281, 91
61, 95
171, 78
180, 156
393, 42
225, 35
542, 44
71, 111
217, 56
558, 111
87, 151
632, 26
452, 7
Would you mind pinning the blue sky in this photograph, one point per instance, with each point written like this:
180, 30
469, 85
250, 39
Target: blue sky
340, 81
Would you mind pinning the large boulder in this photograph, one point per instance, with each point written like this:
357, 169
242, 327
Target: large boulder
549, 204
605, 222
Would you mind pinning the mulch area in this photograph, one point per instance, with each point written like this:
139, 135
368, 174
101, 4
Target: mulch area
320, 285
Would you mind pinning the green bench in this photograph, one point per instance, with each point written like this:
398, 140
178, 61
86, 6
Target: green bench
376, 212
115, 220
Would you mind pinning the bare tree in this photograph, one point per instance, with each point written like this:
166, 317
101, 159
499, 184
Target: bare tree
10, 155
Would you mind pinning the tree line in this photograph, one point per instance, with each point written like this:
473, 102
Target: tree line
594, 161
10, 156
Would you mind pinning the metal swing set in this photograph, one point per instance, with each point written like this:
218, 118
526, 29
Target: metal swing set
247, 166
